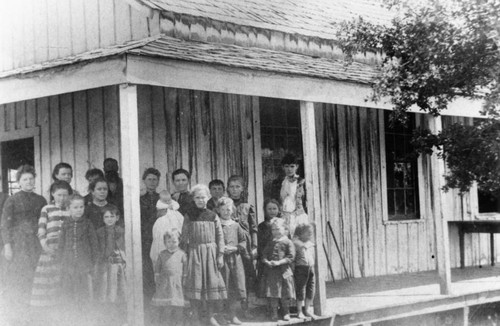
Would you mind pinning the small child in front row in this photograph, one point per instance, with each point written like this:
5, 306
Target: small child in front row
78, 252
233, 271
277, 280
110, 276
304, 269
265, 235
170, 276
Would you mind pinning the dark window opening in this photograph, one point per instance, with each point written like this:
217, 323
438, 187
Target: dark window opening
402, 182
280, 133
488, 203
14, 154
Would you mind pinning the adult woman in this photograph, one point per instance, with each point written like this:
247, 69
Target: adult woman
19, 227
151, 178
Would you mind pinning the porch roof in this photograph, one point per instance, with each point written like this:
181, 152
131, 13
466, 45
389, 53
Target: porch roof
221, 54
314, 18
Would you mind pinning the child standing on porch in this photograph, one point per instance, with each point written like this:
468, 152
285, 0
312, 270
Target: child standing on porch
265, 235
78, 252
46, 284
170, 277
204, 238
110, 276
277, 283
233, 271
245, 216
304, 269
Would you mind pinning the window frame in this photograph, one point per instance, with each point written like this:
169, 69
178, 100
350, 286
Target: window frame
420, 205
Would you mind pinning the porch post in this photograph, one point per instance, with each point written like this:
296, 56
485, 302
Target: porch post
308, 123
129, 135
439, 208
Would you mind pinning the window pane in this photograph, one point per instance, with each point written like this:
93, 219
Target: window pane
400, 202
399, 175
401, 171
410, 202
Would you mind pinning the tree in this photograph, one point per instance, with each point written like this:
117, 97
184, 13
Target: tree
433, 53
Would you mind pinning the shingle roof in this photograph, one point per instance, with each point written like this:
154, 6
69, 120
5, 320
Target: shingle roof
315, 18
222, 54
256, 59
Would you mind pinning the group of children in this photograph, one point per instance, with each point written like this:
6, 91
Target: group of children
210, 259
206, 247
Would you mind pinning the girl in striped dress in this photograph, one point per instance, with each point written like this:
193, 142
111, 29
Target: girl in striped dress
46, 282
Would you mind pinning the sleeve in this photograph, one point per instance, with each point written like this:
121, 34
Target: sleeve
242, 242
219, 236
290, 252
94, 246
252, 225
42, 225
7, 220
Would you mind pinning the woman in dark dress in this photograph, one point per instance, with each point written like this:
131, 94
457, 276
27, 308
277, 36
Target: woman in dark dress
19, 227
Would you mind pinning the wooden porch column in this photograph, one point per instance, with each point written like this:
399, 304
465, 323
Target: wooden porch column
440, 222
129, 134
308, 122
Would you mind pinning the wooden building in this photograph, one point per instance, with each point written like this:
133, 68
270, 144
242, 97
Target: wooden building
224, 87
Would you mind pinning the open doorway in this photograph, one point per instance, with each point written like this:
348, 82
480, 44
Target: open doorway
15, 153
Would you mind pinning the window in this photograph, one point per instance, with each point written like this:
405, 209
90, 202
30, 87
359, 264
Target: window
280, 134
15, 153
402, 182
488, 203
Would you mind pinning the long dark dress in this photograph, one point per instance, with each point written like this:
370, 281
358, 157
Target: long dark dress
19, 227
185, 201
78, 248
148, 218
203, 236
233, 271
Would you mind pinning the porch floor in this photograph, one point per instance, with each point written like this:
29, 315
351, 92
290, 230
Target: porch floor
373, 299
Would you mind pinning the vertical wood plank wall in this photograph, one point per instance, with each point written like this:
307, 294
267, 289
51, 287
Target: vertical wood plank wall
212, 135
79, 128
35, 31
350, 141
209, 134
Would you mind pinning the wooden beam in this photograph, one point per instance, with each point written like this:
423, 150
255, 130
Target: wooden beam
193, 75
129, 133
64, 79
439, 204
309, 141
257, 150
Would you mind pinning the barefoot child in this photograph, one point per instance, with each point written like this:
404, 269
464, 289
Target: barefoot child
46, 284
169, 219
78, 252
110, 276
277, 281
233, 271
170, 276
204, 239
304, 269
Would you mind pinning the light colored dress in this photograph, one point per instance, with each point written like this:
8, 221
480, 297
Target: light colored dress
170, 269
171, 220
47, 280
233, 271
